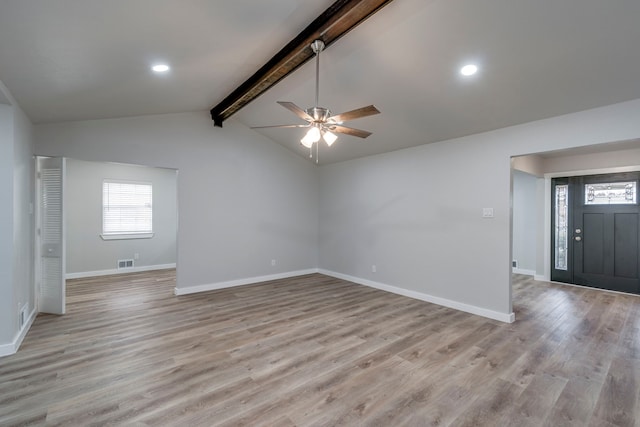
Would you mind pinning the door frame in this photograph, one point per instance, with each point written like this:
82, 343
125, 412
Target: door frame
576, 272
548, 208
37, 236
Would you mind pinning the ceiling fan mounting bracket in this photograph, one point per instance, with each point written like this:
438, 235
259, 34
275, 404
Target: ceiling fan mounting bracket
317, 46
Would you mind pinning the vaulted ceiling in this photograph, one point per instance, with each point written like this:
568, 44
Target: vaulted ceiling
89, 59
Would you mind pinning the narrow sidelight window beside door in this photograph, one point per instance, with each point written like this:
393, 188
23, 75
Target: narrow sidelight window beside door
561, 226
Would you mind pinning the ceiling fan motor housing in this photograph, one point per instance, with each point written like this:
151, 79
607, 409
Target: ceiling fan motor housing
319, 114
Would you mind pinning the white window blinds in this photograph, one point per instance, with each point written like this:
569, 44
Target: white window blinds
126, 208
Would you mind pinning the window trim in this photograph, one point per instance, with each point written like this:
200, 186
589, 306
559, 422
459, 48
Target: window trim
126, 236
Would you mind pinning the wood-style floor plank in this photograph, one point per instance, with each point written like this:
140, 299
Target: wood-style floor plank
319, 351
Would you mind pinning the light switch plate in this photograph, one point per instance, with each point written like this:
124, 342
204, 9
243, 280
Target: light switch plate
487, 212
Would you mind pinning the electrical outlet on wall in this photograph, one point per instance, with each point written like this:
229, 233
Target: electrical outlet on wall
273, 263
136, 256
374, 268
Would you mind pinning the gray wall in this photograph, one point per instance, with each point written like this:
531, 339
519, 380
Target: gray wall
16, 220
243, 200
23, 197
417, 213
7, 320
590, 161
86, 250
525, 220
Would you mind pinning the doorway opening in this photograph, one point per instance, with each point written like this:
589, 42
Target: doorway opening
79, 245
540, 169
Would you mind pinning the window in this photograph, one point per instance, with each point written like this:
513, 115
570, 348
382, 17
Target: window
127, 210
611, 193
562, 226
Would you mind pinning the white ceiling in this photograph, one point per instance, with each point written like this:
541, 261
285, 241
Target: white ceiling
89, 59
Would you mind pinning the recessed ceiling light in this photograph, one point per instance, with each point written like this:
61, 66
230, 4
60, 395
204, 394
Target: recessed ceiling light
160, 68
469, 70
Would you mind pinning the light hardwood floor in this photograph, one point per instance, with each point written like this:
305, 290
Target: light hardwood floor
315, 350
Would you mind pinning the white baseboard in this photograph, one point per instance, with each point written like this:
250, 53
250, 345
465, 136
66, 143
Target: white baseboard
523, 271
540, 278
12, 347
83, 274
503, 317
7, 349
241, 282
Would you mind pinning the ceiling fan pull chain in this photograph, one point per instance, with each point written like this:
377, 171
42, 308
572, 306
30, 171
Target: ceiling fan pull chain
317, 148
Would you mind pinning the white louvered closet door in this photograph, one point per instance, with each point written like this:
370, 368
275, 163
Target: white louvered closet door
51, 236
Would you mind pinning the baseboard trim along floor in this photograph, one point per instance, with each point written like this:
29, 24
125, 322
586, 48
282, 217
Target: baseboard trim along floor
85, 274
503, 317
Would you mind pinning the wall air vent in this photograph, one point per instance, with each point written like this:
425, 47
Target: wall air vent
125, 263
514, 263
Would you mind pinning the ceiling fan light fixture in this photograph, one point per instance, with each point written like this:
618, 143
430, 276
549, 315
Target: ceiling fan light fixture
329, 137
312, 136
306, 142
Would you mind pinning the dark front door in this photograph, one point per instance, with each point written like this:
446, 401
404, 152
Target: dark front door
596, 233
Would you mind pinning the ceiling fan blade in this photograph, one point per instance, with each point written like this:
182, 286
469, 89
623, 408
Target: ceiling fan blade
354, 114
350, 131
281, 126
296, 110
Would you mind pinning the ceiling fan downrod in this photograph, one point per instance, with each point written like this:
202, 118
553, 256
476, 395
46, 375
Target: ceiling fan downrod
317, 46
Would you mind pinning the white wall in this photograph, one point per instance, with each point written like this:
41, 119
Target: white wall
243, 200
87, 253
417, 213
525, 221
16, 235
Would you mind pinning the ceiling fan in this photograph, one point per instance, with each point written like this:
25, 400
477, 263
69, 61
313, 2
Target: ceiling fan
319, 120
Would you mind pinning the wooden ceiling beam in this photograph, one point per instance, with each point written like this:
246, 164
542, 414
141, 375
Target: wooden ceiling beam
333, 23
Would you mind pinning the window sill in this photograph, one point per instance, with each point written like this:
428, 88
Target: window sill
127, 236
